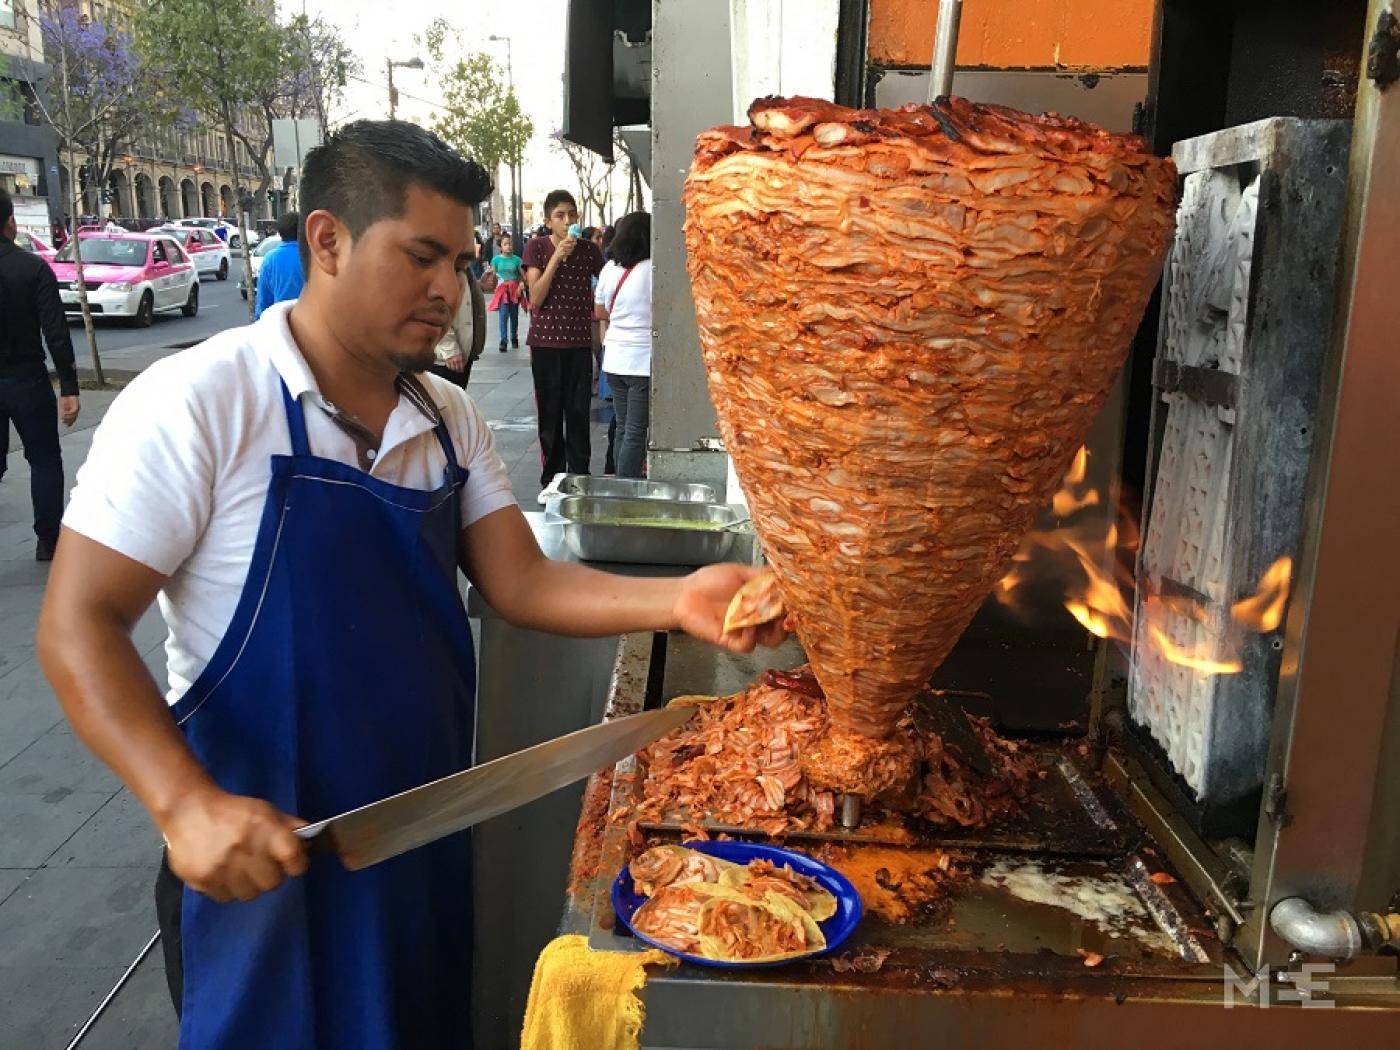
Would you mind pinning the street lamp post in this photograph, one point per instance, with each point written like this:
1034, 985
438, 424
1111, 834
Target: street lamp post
413, 63
516, 219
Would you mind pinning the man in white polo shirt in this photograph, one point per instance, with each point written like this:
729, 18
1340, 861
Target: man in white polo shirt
299, 497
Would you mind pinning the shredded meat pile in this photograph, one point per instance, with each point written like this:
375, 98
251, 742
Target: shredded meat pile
742, 761
909, 320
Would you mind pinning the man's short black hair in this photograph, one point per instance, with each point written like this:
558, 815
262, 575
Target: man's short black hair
632, 242
289, 225
7, 208
361, 174
556, 198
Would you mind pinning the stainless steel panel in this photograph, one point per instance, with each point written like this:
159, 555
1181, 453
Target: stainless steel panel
690, 91
1319, 836
647, 532
631, 488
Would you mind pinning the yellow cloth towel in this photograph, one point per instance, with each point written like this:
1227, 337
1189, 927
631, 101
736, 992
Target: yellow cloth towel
586, 1000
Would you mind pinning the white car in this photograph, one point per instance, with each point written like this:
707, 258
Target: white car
132, 275
223, 229
256, 260
211, 256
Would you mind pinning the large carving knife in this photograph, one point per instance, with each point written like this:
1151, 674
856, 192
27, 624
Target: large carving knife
424, 814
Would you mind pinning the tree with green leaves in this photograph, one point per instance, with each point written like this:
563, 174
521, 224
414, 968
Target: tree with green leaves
480, 118
224, 54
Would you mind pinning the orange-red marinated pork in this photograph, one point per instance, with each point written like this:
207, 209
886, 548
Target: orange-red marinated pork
909, 320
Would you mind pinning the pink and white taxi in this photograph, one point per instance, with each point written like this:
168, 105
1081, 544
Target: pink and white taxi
132, 275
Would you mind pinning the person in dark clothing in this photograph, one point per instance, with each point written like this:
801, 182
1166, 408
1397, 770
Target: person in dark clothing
560, 269
29, 306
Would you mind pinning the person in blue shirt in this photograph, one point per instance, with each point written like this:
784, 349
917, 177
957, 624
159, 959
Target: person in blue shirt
281, 275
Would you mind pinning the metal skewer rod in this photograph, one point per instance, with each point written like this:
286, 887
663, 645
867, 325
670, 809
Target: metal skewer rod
945, 48
849, 816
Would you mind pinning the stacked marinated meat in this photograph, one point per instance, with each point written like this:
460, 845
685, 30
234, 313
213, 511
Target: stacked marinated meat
909, 320
745, 760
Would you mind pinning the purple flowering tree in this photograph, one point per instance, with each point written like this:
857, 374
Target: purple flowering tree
93, 100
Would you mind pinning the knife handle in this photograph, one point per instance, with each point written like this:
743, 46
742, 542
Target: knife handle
319, 837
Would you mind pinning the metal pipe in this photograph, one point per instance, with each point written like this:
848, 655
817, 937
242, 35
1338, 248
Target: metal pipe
945, 48
1335, 934
850, 811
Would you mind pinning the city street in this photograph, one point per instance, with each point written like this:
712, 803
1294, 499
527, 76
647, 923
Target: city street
121, 346
78, 855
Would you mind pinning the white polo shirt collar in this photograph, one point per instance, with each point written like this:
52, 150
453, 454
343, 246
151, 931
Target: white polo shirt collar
414, 415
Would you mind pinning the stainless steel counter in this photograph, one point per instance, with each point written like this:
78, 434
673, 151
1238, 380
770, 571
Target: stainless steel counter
531, 687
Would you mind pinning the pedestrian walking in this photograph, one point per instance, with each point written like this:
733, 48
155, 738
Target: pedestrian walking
623, 304
560, 268
301, 499
282, 277
509, 294
33, 316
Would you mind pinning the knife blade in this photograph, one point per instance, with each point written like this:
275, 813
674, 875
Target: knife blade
413, 818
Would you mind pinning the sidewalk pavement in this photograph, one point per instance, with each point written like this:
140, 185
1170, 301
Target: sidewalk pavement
78, 854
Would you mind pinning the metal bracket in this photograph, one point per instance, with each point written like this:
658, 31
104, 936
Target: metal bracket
1210, 385
1383, 56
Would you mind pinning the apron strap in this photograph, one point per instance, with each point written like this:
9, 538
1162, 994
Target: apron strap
296, 423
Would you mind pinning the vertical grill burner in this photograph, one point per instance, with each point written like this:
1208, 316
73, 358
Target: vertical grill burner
1247, 305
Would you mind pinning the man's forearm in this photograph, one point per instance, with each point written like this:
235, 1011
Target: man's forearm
587, 603
116, 709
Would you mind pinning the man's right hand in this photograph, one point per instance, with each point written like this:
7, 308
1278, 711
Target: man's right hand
563, 250
231, 847
68, 409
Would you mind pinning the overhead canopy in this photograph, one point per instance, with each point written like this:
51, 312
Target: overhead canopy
607, 63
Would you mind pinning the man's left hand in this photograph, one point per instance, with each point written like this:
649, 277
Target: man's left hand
68, 409
455, 363
704, 598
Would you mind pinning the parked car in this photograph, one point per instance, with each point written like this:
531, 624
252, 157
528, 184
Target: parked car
225, 230
131, 275
256, 260
26, 240
209, 254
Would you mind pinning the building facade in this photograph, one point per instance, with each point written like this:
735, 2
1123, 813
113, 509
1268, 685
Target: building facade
163, 174
28, 148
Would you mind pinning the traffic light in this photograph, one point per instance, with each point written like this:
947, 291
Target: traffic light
106, 196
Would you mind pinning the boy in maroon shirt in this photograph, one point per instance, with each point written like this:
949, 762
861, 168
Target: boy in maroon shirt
559, 269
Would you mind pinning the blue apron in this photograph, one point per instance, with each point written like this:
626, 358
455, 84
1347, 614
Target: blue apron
347, 675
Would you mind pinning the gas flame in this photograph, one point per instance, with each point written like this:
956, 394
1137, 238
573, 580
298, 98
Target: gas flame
1067, 500
1094, 562
1176, 654
1262, 611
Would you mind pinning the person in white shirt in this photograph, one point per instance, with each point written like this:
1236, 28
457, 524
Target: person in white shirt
622, 301
299, 497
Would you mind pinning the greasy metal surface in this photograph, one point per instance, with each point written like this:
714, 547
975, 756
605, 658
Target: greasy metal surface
1208, 876
1340, 659
598, 528
384, 829
694, 668
997, 984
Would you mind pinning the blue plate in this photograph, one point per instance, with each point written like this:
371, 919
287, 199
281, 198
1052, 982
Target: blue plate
626, 900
